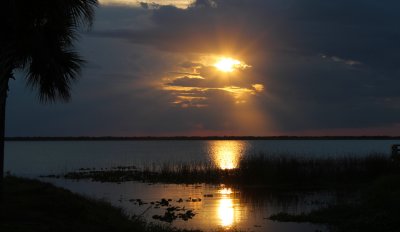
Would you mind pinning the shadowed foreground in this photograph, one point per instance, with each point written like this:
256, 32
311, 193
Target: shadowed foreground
30, 205
375, 209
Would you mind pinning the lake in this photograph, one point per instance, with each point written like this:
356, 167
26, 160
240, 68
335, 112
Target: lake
215, 206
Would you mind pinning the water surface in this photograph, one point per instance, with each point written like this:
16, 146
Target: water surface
226, 207
47, 157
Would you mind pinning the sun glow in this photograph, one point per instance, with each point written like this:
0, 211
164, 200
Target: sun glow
228, 64
226, 154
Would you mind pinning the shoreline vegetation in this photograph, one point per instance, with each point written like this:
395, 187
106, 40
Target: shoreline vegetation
284, 172
376, 209
371, 185
33, 206
139, 138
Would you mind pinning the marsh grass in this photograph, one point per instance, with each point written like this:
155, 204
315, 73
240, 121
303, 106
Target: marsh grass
287, 170
195, 172
274, 171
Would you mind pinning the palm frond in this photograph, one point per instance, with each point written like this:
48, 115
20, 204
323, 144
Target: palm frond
82, 11
54, 75
40, 36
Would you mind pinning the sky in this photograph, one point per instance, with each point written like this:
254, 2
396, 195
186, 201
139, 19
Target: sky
298, 67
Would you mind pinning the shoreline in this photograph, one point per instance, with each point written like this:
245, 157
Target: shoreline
34, 206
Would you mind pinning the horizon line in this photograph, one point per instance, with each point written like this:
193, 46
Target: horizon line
127, 138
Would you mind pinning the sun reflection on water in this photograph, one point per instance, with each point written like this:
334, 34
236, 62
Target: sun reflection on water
226, 154
228, 209
225, 191
226, 212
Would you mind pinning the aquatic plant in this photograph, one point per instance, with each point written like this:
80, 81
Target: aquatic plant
275, 171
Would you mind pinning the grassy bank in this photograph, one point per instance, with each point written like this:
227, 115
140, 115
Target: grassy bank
279, 171
375, 209
29, 205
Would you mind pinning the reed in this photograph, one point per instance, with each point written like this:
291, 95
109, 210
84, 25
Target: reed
317, 171
194, 172
267, 170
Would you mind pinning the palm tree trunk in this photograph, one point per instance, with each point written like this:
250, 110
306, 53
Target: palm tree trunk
5, 75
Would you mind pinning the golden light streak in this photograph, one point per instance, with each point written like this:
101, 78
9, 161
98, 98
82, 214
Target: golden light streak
258, 87
249, 119
230, 89
188, 98
184, 88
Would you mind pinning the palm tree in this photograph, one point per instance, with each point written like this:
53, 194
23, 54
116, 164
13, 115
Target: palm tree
37, 37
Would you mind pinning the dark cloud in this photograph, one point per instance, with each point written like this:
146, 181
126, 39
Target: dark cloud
324, 65
204, 4
359, 30
193, 65
188, 82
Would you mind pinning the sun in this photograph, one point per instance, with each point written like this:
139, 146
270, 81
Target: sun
227, 64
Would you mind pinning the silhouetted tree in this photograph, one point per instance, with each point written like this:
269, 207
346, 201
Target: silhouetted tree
37, 37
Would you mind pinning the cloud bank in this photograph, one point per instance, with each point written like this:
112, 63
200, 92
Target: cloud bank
317, 67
